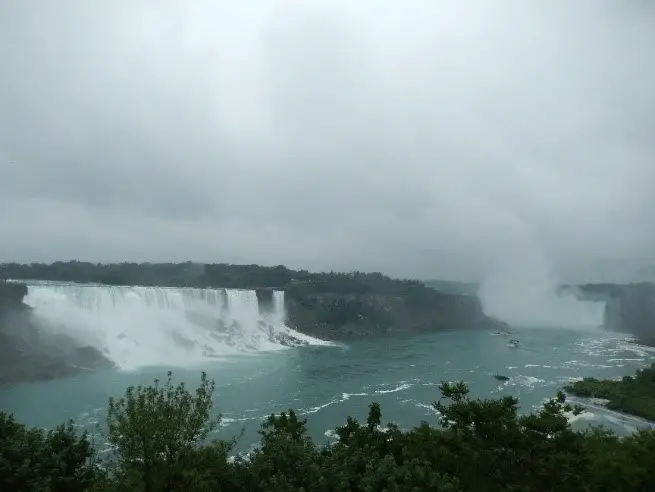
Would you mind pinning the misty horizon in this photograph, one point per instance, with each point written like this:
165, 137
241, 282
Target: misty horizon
622, 278
421, 140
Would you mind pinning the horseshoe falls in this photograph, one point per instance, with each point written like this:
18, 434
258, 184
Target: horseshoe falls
137, 327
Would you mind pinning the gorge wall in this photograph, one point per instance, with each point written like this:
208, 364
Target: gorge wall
338, 316
629, 308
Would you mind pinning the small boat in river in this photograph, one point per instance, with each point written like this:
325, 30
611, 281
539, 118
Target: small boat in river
513, 343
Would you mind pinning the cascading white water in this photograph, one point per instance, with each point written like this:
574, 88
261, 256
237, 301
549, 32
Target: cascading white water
278, 307
155, 326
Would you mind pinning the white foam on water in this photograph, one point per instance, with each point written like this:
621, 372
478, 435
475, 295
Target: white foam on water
318, 408
429, 408
346, 396
525, 382
331, 434
156, 326
401, 387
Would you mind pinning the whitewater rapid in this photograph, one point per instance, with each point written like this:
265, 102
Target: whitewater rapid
138, 327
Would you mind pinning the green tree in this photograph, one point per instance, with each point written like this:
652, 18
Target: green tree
156, 429
532, 452
33, 460
287, 459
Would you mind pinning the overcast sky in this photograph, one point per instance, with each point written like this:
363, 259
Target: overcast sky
435, 138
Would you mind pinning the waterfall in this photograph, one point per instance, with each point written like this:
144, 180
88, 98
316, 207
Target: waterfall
159, 326
278, 307
522, 291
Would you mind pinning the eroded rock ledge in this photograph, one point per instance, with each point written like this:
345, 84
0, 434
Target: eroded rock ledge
334, 316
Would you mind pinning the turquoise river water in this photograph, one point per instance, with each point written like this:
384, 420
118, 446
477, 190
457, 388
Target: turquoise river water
327, 383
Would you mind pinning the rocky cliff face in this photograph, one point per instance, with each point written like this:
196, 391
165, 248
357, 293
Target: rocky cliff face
11, 295
30, 354
335, 316
631, 309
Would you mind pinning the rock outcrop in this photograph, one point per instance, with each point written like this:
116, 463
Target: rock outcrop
629, 308
30, 354
335, 316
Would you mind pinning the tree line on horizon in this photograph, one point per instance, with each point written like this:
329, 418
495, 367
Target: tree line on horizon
211, 275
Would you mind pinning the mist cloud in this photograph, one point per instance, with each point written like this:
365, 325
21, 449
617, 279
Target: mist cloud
429, 139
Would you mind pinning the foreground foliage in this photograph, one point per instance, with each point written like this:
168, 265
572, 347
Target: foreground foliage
34, 460
160, 435
634, 395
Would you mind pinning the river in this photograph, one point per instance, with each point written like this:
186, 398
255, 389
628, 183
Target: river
326, 384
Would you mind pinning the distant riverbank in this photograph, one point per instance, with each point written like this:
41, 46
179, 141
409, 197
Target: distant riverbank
633, 395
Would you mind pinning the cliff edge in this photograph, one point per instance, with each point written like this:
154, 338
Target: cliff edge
11, 295
342, 316
629, 308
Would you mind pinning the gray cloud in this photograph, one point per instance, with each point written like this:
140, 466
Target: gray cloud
430, 139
